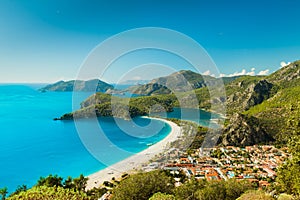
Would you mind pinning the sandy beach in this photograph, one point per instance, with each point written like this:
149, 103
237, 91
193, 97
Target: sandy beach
135, 161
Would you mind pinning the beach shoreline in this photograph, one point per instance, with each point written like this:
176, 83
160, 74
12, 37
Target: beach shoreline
136, 161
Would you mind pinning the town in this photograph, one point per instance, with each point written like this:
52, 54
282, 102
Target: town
256, 164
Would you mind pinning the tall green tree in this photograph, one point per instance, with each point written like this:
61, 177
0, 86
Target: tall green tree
3, 192
80, 183
68, 183
50, 181
20, 188
288, 175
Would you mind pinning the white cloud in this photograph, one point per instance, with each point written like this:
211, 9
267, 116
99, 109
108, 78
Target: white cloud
252, 73
245, 72
206, 72
283, 64
264, 72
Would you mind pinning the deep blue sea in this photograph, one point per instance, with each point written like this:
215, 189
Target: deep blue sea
32, 144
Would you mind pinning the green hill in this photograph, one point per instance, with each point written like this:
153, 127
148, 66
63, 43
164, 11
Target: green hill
280, 115
277, 104
259, 108
85, 86
287, 76
101, 104
182, 81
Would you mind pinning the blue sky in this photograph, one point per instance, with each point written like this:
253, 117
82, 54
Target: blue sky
45, 41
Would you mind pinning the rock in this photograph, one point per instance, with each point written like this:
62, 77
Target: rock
258, 93
244, 131
248, 95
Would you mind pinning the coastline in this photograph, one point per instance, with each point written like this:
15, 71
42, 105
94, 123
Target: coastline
136, 161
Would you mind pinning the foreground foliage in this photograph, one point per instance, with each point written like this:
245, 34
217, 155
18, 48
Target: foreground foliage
55, 188
157, 185
50, 193
143, 185
255, 195
289, 173
207, 190
161, 196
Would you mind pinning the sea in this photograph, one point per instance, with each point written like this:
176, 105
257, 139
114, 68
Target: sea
33, 145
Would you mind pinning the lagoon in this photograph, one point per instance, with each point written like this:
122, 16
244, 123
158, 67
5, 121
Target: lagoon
33, 144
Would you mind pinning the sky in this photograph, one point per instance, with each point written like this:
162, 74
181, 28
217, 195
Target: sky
46, 41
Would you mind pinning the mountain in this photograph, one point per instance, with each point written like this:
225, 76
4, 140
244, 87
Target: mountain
243, 130
260, 109
134, 82
287, 76
277, 107
242, 92
85, 86
182, 81
100, 104
229, 79
246, 92
280, 115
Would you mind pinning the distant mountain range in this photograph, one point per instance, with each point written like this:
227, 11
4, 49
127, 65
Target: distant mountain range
260, 109
134, 82
181, 81
86, 86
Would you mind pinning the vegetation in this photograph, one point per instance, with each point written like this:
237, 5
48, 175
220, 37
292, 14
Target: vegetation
161, 196
160, 185
157, 185
94, 85
266, 108
142, 186
206, 190
288, 175
107, 105
50, 193
20, 188
287, 76
181, 81
280, 115
272, 100
199, 137
255, 195
3, 193
55, 188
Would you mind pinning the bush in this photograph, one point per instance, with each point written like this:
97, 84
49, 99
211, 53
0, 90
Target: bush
49, 193
161, 196
255, 195
143, 185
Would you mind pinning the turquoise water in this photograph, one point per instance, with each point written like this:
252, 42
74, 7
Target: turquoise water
201, 117
33, 144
